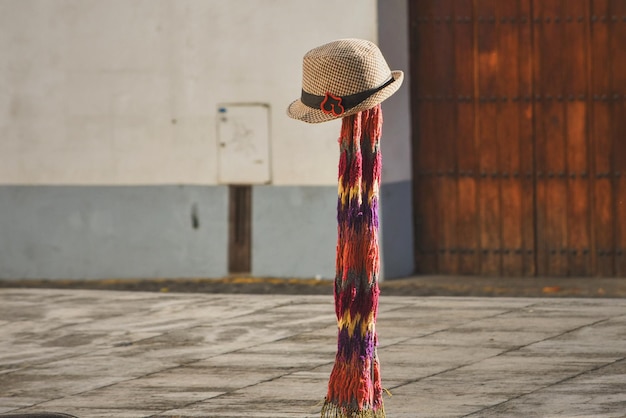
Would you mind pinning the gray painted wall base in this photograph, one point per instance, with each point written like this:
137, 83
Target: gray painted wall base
78, 232
396, 229
295, 231
93, 232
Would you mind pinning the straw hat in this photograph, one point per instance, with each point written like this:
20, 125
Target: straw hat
342, 78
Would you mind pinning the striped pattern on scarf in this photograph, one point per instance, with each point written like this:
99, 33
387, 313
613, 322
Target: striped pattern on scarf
354, 388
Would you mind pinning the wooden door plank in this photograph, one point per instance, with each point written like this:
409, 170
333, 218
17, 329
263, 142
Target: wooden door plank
550, 152
240, 229
539, 156
508, 137
527, 139
600, 74
618, 103
445, 120
423, 50
576, 30
486, 136
468, 242
555, 148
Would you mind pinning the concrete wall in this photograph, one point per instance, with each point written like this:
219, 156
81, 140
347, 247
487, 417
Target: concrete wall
126, 91
295, 232
396, 188
107, 106
80, 232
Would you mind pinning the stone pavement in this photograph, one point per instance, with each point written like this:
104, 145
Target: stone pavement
95, 353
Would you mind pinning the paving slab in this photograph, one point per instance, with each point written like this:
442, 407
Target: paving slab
129, 354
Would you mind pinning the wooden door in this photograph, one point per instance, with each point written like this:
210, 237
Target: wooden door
239, 229
519, 136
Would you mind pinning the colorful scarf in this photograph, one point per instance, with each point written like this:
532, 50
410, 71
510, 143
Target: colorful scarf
354, 388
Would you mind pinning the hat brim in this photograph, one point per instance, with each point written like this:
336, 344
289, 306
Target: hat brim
300, 111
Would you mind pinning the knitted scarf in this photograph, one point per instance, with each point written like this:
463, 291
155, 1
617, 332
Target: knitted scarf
354, 388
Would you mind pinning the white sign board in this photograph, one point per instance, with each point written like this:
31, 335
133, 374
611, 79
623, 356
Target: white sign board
243, 143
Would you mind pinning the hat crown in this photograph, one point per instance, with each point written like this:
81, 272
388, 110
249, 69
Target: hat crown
344, 67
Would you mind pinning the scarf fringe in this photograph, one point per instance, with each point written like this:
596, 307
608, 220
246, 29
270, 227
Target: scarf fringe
330, 410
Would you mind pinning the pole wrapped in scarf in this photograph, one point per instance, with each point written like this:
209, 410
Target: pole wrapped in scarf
354, 388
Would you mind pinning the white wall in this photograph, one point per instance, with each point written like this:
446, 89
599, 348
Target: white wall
125, 91
393, 41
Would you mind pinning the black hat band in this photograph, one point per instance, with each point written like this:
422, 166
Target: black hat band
337, 105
